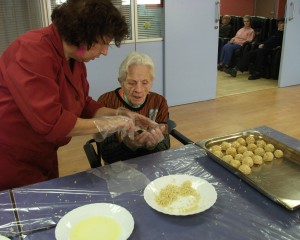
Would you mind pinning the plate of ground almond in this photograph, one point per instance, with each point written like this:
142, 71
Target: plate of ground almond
180, 194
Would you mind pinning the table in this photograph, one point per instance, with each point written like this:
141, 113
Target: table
7, 213
240, 212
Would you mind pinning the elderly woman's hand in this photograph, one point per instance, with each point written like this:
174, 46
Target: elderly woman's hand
139, 120
155, 136
146, 138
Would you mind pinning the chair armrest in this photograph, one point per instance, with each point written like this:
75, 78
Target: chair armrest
180, 137
277, 48
92, 156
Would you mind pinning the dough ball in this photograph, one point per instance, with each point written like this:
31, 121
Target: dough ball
235, 163
245, 169
231, 151
248, 154
269, 147
242, 149
257, 160
216, 148
239, 157
247, 161
259, 151
227, 158
268, 157
218, 153
241, 141
261, 143
250, 139
278, 153
225, 145
251, 147
235, 144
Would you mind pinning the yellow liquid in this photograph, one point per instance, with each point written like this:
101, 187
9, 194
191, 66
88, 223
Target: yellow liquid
96, 228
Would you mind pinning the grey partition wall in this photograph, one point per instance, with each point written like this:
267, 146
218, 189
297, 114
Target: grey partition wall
290, 57
103, 72
190, 50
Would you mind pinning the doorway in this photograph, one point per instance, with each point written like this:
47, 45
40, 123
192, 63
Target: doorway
227, 85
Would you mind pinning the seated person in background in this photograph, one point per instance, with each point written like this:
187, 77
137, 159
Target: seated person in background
136, 75
258, 56
225, 28
246, 33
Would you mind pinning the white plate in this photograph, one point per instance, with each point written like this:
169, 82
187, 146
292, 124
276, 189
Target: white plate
184, 205
3, 238
92, 215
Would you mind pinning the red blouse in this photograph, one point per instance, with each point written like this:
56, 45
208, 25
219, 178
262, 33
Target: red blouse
40, 100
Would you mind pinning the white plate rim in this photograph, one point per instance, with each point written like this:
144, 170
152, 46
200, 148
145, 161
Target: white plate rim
3, 238
119, 213
208, 194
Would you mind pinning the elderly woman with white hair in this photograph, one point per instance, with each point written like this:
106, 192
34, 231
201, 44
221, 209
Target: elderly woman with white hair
136, 76
243, 35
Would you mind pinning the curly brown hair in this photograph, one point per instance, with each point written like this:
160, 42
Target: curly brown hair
85, 21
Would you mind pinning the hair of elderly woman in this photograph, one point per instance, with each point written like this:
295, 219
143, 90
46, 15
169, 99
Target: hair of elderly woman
88, 21
135, 58
227, 16
247, 17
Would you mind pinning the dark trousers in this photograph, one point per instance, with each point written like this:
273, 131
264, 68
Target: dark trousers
258, 57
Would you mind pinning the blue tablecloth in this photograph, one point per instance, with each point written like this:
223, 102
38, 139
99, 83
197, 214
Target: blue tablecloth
240, 212
8, 222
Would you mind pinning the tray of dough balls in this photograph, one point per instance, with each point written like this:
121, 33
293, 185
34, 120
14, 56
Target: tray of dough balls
268, 165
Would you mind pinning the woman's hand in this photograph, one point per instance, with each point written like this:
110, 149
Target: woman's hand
109, 125
146, 138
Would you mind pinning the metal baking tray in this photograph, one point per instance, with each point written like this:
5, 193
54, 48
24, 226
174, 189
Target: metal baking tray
279, 179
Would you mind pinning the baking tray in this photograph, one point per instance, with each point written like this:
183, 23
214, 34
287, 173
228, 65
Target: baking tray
279, 180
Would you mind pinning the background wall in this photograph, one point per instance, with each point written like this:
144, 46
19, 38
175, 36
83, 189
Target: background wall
246, 7
237, 7
281, 8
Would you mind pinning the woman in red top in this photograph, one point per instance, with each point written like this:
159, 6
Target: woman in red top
44, 90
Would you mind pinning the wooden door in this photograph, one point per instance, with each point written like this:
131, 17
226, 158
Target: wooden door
265, 8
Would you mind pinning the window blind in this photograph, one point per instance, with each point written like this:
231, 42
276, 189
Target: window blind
17, 17
150, 22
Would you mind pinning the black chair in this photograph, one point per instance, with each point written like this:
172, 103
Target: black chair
238, 53
273, 64
261, 27
94, 156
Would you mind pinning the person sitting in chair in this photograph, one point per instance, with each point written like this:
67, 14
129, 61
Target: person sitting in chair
136, 76
243, 35
258, 56
225, 27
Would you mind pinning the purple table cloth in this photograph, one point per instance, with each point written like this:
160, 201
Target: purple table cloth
240, 212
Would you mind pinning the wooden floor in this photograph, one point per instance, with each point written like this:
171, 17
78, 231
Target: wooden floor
235, 109
227, 85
